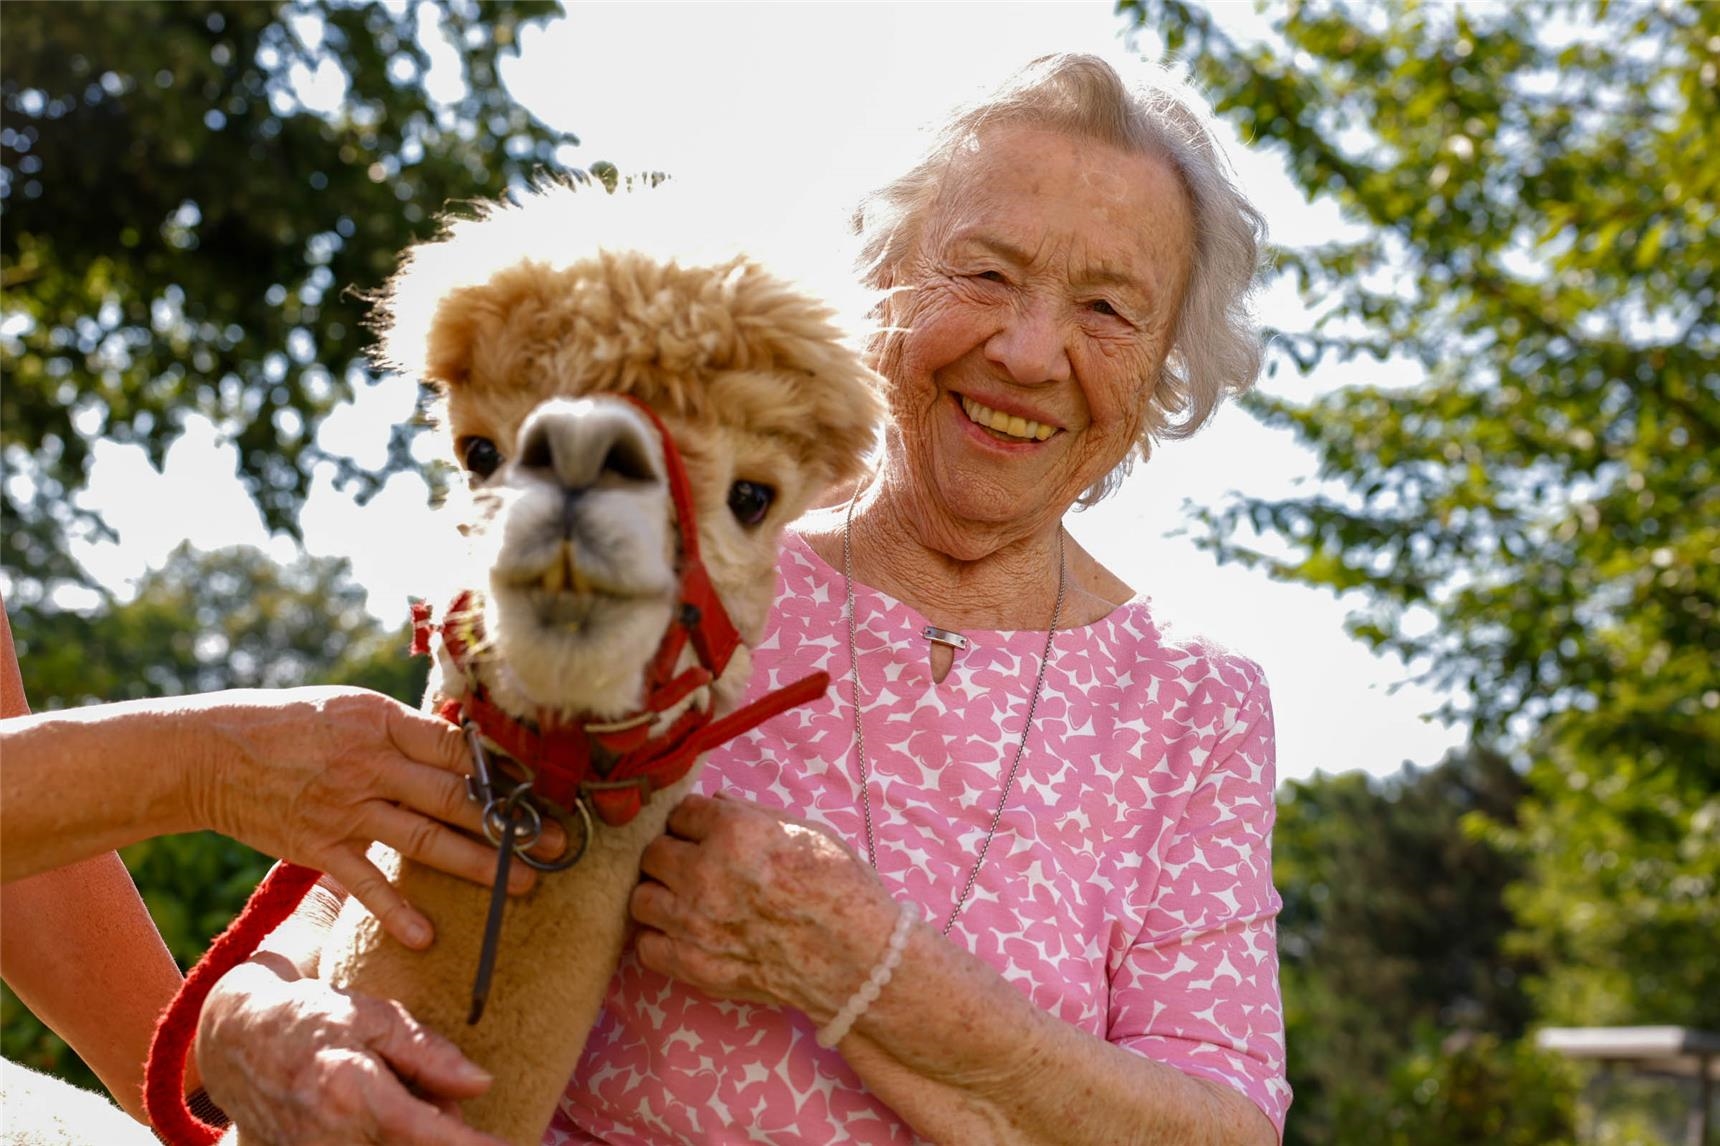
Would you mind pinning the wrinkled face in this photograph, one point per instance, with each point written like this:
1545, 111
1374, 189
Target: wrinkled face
575, 520
1040, 304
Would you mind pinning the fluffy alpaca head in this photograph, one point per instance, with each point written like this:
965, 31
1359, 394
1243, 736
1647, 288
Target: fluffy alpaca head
528, 321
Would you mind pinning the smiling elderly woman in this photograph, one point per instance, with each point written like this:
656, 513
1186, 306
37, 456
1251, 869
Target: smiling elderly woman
1078, 802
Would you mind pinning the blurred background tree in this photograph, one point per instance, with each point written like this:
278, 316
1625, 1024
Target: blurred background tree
1537, 520
186, 235
1393, 927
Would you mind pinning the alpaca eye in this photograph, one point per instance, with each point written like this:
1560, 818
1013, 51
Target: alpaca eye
481, 456
749, 501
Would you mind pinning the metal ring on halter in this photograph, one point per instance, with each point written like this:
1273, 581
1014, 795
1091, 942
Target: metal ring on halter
497, 813
574, 852
944, 637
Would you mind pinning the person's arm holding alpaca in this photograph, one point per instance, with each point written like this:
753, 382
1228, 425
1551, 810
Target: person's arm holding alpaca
292, 1059
313, 775
964, 1056
949, 1044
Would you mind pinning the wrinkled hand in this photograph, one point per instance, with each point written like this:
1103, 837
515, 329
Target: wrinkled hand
296, 1062
746, 903
315, 775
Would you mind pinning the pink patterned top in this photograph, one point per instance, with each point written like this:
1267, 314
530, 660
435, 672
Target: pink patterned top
1128, 890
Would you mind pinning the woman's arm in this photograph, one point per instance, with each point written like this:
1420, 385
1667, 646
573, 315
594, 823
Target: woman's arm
964, 1057
748, 904
77, 944
79, 949
314, 775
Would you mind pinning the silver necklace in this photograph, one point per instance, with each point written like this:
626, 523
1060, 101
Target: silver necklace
860, 732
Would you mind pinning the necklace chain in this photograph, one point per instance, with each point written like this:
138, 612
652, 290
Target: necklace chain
859, 725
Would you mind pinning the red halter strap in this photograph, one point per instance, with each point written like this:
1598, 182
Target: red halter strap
562, 755
699, 612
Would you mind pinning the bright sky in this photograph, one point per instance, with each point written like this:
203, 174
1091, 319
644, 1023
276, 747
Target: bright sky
780, 114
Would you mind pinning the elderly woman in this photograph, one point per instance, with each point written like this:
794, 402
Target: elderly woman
1077, 802
1011, 883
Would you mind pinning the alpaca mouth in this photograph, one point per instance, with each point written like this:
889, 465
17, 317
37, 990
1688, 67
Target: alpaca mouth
564, 574
565, 592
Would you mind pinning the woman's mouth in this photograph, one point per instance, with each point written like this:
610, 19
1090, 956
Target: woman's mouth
1011, 427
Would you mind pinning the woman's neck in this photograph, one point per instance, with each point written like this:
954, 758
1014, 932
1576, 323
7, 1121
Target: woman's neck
998, 577
985, 577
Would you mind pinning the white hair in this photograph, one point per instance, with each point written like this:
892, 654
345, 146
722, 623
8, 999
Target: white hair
1216, 350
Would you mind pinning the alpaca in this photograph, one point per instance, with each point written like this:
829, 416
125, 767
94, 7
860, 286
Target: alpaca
571, 367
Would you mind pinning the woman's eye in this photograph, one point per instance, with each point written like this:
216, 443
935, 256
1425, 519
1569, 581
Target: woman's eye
480, 456
750, 502
991, 277
1103, 306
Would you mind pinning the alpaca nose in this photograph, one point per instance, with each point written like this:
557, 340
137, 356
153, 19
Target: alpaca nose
582, 444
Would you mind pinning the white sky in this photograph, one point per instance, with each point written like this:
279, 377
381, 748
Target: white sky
781, 114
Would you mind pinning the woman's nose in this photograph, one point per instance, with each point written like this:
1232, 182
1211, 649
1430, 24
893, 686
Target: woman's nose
1030, 346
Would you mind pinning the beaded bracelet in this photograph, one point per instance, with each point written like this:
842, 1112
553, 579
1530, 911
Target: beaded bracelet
837, 1028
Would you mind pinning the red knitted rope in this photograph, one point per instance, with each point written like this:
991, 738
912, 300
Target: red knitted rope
169, 1050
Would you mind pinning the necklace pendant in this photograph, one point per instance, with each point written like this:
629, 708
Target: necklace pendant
944, 637
955, 641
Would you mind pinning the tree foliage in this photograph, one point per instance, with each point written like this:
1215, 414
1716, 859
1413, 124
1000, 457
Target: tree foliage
206, 621
1393, 925
185, 236
1466, 1090
1538, 520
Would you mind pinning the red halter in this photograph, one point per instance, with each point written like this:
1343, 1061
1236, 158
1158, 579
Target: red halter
566, 760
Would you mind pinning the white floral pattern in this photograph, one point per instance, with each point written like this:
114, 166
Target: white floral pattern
1128, 890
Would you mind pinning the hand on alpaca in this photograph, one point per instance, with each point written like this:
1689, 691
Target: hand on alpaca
312, 775
331, 1066
744, 902
315, 775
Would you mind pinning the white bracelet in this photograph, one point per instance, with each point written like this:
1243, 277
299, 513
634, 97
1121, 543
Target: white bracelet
836, 1029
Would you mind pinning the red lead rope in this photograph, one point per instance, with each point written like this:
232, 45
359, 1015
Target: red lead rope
169, 1050
561, 758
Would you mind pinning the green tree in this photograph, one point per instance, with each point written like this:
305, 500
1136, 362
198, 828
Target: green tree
1393, 924
1538, 520
1461, 1091
184, 236
204, 621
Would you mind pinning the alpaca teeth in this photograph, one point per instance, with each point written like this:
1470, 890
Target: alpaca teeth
1013, 425
564, 572
555, 577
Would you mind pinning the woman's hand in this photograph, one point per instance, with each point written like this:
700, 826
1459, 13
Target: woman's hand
296, 1062
746, 903
314, 775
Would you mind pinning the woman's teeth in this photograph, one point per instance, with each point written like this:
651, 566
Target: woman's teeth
1012, 425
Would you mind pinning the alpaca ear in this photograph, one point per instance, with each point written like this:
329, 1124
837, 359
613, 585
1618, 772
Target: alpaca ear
448, 343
